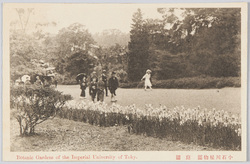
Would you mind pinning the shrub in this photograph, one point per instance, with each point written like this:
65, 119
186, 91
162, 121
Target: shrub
121, 75
69, 81
189, 83
129, 85
32, 105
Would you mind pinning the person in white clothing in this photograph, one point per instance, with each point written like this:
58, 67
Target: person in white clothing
147, 78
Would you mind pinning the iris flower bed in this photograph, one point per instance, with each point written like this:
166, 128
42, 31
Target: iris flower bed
216, 128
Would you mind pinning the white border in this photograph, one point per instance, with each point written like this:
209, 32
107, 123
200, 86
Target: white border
244, 79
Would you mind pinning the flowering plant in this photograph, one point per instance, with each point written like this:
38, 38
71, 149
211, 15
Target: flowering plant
201, 126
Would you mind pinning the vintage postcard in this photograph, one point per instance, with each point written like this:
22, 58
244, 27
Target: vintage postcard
124, 82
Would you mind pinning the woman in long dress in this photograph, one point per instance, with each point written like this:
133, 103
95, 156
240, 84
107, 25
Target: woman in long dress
147, 78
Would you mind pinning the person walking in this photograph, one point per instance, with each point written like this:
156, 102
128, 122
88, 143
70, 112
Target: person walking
83, 86
105, 80
93, 88
100, 90
147, 78
113, 85
92, 76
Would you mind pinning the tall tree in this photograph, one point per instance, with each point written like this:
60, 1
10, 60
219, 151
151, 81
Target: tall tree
79, 62
209, 38
71, 41
138, 48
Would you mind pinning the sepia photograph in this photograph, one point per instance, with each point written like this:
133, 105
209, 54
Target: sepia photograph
124, 82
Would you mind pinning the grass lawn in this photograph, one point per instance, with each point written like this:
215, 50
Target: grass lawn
227, 99
67, 135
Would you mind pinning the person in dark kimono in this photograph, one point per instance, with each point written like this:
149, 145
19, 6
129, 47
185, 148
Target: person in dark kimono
100, 90
83, 86
93, 88
105, 80
91, 77
113, 85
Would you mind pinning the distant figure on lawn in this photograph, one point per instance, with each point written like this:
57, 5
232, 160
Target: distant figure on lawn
113, 85
100, 90
93, 88
105, 80
147, 78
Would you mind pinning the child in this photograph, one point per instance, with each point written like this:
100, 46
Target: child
100, 90
147, 78
93, 88
113, 85
83, 86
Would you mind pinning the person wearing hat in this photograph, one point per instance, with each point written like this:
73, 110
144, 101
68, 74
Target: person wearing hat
147, 78
113, 85
105, 80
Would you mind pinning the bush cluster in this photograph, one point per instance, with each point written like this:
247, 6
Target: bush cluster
189, 83
69, 81
33, 104
200, 126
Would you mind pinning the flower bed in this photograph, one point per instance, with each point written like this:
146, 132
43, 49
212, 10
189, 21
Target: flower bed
201, 126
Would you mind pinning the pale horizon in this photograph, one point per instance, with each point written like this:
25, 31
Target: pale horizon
95, 18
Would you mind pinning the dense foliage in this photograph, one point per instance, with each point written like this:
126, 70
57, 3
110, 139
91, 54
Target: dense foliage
187, 42
201, 126
138, 48
204, 41
32, 105
72, 56
111, 37
189, 83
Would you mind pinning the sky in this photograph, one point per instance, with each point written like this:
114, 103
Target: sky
96, 17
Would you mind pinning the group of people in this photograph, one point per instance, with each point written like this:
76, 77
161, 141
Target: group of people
36, 79
99, 86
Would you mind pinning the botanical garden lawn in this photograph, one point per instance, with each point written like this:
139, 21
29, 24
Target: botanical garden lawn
67, 135
227, 99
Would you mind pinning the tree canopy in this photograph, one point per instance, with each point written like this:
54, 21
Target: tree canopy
202, 41
184, 42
